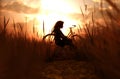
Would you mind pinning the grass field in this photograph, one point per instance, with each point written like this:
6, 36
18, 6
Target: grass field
99, 47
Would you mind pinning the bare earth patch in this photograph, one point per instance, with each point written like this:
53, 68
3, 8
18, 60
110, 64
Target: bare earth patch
67, 69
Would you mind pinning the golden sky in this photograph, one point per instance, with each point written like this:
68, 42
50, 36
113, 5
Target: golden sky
49, 11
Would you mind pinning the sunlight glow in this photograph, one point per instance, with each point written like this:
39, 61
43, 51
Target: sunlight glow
57, 6
51, 19
52, 11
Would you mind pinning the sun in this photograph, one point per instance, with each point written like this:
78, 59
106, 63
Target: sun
61, 6
53, 11
48, 21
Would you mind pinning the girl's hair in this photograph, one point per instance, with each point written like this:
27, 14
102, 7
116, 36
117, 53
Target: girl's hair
59, 24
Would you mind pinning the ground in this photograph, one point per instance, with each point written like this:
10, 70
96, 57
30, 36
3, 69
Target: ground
65, 69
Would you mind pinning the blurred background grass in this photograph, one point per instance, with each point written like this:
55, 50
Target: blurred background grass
100, 44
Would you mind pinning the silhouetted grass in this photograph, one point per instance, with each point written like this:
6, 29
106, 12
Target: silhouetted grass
100, 46
18, 52
102, 43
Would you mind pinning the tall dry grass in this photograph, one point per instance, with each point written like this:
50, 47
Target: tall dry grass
102, 42
18, 52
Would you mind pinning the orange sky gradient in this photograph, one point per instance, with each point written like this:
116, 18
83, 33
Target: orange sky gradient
34, 12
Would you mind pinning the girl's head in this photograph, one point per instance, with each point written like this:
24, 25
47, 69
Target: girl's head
58, 25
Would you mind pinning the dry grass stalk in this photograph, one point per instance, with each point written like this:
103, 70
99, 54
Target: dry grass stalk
5, 24
113, 6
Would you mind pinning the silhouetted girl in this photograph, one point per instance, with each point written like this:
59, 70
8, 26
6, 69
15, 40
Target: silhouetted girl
60, 38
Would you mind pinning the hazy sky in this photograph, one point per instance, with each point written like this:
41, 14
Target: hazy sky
48, 10
20, 8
